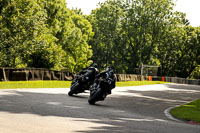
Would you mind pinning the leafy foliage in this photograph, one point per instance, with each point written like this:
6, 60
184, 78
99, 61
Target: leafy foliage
72, 31
120, 33
195, 73
131, 32
43, 34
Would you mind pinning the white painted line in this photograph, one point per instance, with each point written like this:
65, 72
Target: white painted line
168, 115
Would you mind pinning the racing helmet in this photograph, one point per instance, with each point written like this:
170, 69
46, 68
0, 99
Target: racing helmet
94, 65
108, 68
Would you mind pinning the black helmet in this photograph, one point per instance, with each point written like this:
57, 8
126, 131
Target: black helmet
108, 68
94, 65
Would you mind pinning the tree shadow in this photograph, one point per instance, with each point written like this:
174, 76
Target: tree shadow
183, 86
118, 113
154, 103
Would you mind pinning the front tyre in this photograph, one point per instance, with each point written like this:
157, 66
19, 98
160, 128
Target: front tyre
94, 98
73, 89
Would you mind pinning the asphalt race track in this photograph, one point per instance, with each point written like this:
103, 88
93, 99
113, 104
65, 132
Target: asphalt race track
141, 109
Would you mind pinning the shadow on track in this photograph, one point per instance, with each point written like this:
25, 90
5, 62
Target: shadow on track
136, 111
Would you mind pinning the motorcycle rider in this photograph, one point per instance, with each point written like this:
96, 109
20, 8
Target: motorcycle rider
83, 80
106, 76
90, 72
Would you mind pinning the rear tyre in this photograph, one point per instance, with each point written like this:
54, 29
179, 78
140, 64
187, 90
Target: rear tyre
73, 89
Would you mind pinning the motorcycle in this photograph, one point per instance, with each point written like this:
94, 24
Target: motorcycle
83, 81
102, 86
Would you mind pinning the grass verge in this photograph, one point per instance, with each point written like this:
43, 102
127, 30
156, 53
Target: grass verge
62, 84
137, 83
34, 84
188, 112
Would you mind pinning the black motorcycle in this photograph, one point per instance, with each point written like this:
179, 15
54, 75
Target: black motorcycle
83, 80
102, 86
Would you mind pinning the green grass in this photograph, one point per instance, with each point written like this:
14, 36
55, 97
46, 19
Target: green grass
188, 112
34, 84
137, 83
62, 84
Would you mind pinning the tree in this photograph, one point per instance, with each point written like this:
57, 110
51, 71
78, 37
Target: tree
106, 26
131, 32
195, 73
43, 34
72, 31
84, 35
186, 54
23, 32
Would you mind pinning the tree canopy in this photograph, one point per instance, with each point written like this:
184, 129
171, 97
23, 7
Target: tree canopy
129, 33
121, 33
44, 34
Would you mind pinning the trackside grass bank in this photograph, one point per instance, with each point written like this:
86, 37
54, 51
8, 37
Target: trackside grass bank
62, 84
188, 112
34, 84
137, 83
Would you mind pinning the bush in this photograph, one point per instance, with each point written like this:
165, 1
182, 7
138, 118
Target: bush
195, 73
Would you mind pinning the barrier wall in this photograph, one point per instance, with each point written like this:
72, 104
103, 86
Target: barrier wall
176, 80
26, 74
129, 77
182, 80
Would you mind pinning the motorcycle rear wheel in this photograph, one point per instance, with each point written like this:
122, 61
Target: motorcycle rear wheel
73, 89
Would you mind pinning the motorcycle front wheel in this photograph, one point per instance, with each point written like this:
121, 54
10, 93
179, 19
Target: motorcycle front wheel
95, 97
73, 89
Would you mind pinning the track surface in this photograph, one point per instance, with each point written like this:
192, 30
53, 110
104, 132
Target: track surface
129, 109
